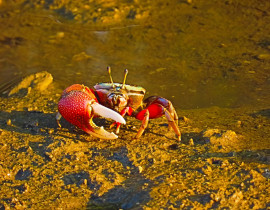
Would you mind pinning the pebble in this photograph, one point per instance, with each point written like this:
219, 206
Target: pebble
239, 123
9, 122
264, 57
60, 34
38, 82
50, 131
191, 142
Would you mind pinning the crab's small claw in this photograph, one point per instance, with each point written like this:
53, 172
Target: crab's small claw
104, 112
99, 132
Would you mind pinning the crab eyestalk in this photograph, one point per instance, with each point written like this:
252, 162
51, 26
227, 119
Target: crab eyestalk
110, 75
125, 77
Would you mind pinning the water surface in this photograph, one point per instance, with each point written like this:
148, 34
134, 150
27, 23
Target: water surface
196, 54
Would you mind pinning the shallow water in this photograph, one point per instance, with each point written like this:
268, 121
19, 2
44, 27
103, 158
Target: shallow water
196, 54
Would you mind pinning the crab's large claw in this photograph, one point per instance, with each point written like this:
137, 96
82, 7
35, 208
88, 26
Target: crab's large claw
78, 105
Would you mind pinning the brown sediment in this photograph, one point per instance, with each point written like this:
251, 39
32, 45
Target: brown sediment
227, 164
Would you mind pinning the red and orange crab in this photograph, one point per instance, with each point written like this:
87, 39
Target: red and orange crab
79, 104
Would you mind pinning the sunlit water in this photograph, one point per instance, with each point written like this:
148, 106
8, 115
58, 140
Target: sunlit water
191, 54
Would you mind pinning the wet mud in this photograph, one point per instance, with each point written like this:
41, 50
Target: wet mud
211, 59
222, 161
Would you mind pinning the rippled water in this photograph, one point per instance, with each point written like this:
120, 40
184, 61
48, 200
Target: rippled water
195, 54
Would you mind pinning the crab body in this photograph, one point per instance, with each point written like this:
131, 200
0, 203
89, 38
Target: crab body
129, 99
117, 98
78, 103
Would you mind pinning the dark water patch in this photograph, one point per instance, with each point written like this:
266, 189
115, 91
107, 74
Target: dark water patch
20, 188
203, 199
263, 112
266, 173
34, 122
41, 149
2, 206
65, 13
249, 156
12, 41
23, 174
121, 156
130, 194
80, 178
173, 146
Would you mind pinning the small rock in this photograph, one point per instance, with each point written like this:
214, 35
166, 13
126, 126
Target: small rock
185, 119
239, 124
60, 34
34, 82
50, 131
264, 57
173, 146
223, 139
81, 57
191, 142
9, 122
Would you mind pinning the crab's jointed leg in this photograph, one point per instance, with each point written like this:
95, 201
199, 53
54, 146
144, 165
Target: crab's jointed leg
128, 111
58, 117
157, 107
173, 123
143, 125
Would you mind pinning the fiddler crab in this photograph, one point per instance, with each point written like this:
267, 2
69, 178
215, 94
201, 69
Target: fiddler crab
80, 104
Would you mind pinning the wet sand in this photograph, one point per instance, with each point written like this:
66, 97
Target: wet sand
222, 161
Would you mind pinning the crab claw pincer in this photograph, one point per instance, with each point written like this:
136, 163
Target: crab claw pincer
78, 105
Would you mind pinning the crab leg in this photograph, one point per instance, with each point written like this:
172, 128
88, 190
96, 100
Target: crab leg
143, 125
58, 117
173, 115
127, 110
172, 123
157, 107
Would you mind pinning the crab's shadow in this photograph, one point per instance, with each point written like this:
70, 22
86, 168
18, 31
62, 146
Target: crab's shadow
29, 122
38, 123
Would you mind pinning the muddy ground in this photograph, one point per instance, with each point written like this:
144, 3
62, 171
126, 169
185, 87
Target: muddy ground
211, 58
222, 161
